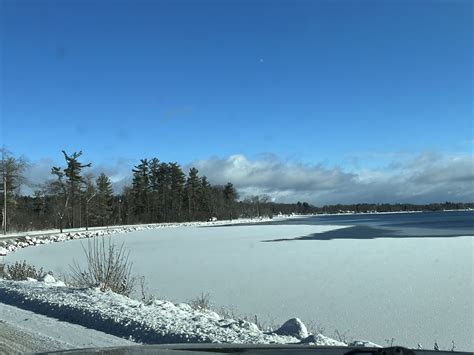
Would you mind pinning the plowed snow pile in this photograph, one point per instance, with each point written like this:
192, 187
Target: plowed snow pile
157, 322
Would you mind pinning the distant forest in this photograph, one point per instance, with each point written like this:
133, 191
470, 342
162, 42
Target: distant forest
159, 192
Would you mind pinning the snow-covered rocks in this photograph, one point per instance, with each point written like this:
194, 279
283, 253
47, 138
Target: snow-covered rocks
318, 339
3, 251
153, 323
293, 327
48, 278
364, 343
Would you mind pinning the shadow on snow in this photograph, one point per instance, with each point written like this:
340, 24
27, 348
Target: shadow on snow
363, 232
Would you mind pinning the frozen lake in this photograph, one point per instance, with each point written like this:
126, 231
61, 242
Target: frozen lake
416, 289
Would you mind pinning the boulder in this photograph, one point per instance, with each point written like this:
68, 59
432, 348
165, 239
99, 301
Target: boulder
49, 279
293, 327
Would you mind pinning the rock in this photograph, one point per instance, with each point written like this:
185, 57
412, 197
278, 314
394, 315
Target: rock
311, 340
364, 343
184, 307
48, 279
3, 251
293, 327
248, 326
321, 340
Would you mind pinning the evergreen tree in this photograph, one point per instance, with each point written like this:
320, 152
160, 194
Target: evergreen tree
155, 179
176, 190
126, 206
192, 192
72, 181
104, 199
164, 191
205, 199
230, 197
140, 190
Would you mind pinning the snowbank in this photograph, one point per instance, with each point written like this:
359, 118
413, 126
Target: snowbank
160, 322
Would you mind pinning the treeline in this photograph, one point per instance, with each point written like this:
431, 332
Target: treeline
159, 192
388, 207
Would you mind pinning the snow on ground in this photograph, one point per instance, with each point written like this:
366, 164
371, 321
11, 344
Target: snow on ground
159, 322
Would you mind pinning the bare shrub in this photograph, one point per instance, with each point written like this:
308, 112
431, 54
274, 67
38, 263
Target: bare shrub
231, 313
146, 296
108, 267
314, 328
201, 303
3, 271
21, 271
342, 336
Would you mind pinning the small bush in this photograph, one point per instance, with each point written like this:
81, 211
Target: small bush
108, 267
201, 303
21, 271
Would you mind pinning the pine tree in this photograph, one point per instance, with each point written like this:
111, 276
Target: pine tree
230, 197
205, 198
192, 192
104, 199
140, 190
72, 182
155, 179
164, 191
176, 191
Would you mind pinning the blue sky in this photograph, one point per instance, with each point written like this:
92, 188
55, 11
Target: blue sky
346, 84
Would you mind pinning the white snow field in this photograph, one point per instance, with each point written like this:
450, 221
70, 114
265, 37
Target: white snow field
415, 290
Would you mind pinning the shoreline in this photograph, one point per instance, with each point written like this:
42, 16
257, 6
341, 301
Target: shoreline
10, 243
44, 232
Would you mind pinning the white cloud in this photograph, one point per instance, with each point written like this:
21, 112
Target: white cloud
427, 177
421, 178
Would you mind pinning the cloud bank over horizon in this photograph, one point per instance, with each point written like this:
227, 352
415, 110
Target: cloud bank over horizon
423, 178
